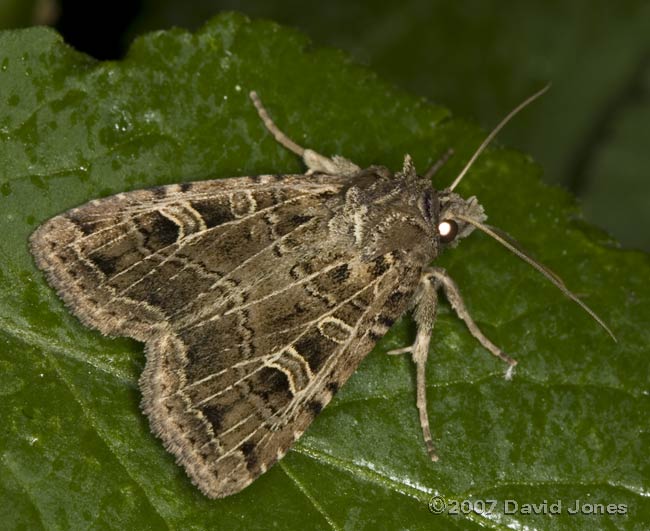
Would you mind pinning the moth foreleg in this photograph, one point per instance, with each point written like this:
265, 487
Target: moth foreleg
314, 161
435, 167
424, 304
452, 293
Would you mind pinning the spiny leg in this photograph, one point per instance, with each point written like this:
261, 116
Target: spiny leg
425, 302
435, 167
282, 139
314, 161
454, 297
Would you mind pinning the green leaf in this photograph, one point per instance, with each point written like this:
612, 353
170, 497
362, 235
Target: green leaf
76, 452
479, 58
589, 132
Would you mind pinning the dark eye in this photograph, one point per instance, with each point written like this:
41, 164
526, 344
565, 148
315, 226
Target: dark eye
448, 229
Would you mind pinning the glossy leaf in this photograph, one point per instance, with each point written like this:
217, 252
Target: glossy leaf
76, 452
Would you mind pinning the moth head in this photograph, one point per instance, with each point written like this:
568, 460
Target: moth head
451, 225
458, 217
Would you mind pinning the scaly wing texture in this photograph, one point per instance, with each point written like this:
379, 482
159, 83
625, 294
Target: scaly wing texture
103, 256
252, 312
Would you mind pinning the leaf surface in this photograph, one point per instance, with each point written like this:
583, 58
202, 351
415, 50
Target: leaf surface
75, 450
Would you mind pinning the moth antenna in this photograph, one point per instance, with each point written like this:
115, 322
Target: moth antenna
494, 133
552, 277
282, 139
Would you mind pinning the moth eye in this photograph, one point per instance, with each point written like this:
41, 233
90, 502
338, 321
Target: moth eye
448, 229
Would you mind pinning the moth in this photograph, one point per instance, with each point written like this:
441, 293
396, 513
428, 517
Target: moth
257, 297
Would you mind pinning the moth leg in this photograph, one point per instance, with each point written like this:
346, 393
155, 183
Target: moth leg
425, 302
435, 167
442, 279
314, 161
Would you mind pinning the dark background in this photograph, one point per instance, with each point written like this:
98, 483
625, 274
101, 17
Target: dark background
479, 58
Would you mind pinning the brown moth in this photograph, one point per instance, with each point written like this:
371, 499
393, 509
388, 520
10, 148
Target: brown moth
257, 297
